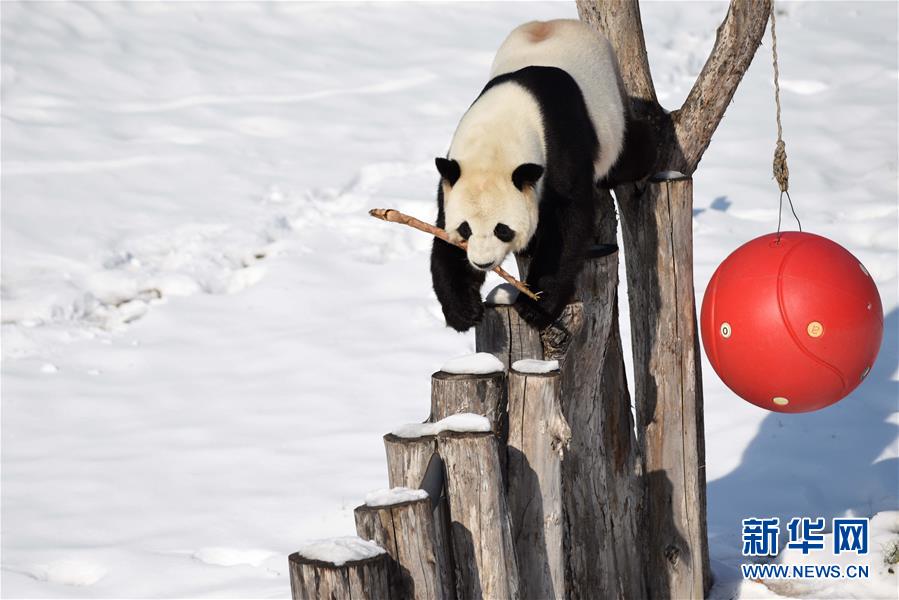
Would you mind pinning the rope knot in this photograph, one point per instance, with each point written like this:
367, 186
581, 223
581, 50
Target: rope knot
781, 172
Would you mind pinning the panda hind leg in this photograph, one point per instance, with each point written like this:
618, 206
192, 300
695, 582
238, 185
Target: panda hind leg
637, 158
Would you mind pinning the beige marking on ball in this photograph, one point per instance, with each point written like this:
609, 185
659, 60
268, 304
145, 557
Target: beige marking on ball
865, 373
815, 329
864, 270
780, 401
726, 329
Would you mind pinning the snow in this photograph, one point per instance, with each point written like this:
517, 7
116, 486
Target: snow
71, 572
397, 495
340, 550
881, 583
533, 366
503, 294
462, 422
662, 175
479, 363
186, 244
229, 557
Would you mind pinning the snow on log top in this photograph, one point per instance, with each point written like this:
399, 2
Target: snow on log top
396, 495
503, 294
340, 550
534, 366
479, 363
462, 422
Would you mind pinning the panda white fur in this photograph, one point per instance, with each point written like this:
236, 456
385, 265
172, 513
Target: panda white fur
523, 163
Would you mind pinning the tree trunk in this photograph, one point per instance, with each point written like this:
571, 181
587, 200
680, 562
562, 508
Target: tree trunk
406, 530
600, 490
657, 231
367, 579
659, 250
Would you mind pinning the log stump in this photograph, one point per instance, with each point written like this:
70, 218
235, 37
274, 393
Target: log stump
408, 459
464, 393
538, 439
367, 579
406, 530
480, 531
506, 335
407, 462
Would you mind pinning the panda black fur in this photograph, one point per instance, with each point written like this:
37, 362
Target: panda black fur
523, 165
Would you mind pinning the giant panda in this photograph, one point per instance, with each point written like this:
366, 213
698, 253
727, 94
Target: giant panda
552, 123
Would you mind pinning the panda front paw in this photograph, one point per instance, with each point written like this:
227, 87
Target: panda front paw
463, 317
533, 313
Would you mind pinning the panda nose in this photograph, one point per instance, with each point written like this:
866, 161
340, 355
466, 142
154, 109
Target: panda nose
484, 266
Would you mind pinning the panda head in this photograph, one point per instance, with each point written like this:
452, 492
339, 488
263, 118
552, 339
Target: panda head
494, 211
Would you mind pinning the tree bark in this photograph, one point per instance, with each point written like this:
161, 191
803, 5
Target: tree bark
407, 459
503, 333
406, 530
600, 491
657, 231
538, 439
407, 462
463, 393
600, 485
367, 579
659, 253
483, 552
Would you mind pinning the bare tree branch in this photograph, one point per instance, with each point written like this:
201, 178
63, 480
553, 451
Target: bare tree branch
683, 135
738, 38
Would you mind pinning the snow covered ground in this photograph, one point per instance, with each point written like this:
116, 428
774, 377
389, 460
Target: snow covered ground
205, 336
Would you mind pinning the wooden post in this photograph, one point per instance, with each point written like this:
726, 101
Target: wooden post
406, 530
407, 462
483, 552
600, 486
659, 252
538, 439
600, 473
464, 393
506, 335
407, 459
367, 579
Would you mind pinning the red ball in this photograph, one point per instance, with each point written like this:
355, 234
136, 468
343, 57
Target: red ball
792, 326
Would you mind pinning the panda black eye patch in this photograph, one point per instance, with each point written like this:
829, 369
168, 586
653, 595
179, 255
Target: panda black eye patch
504, 232
464, 230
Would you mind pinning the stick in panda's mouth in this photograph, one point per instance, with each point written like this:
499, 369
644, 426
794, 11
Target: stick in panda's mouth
395, 216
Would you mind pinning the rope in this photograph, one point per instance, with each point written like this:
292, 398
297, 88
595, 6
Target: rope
781, 171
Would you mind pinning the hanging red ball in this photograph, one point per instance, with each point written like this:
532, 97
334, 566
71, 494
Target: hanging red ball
791, 325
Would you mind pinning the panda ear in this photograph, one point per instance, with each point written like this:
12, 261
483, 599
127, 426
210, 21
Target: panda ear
526, 174
449, 170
